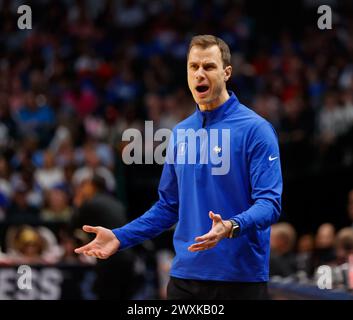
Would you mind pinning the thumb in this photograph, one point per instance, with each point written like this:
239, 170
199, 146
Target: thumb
215, 217
90, 229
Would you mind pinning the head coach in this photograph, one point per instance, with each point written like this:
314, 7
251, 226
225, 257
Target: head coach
222, 221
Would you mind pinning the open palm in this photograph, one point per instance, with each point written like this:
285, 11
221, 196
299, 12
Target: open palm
102, 246
220, 230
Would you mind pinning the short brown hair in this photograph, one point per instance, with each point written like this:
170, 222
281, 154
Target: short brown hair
205, 41
345, 238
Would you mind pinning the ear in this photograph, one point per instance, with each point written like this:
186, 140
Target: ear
227, 73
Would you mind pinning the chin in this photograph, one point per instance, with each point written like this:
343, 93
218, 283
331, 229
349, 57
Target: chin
201, 100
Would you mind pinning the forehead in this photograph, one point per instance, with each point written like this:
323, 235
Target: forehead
198, 54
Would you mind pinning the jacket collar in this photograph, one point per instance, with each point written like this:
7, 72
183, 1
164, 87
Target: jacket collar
219, 113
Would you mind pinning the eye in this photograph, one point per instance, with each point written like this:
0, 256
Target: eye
209, 67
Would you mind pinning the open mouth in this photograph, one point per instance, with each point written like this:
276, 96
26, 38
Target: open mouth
202, 88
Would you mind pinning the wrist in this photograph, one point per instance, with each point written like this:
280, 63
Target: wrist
228, 228
235, 229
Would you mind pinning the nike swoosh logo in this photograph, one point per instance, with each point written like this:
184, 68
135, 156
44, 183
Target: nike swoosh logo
271, 159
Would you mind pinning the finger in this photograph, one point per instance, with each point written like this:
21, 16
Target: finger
83, 248
215, 217
90, 229
212, 244
91, 253
192, 249
100, 255
195, 249
204, 246
210, 236
97, 254
104, 256
195, 246
209, 246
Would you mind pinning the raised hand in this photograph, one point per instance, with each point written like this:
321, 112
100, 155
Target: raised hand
220, 229
102, 246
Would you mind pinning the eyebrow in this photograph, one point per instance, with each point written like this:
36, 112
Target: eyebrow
205, 64
210, 64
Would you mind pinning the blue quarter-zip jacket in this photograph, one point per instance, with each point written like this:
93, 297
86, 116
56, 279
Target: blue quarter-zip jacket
250, 193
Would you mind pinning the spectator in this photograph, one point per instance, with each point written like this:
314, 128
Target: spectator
344, 245
304, 256
49, 175
93, 164
57, 208
8, 128
324, 252
282, 259
5, 187
36, 118
96, 207
20, 210
29, 245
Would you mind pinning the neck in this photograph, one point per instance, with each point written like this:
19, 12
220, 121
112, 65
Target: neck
222, 98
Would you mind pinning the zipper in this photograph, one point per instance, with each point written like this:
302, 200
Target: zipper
204, 122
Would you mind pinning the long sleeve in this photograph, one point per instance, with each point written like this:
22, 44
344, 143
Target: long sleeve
162, 215
266, 180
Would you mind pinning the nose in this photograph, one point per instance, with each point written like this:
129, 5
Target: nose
199, 74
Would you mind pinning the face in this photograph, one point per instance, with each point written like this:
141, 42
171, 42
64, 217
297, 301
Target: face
48, 160
57, 199
306, 243
207, 78
325, 236
84, 192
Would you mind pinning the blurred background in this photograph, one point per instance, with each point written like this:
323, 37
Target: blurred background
88, 70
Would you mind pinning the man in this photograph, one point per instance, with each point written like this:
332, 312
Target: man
95, 206
282, 242
223, 221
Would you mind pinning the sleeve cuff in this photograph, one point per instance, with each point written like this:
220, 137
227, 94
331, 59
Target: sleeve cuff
120, 236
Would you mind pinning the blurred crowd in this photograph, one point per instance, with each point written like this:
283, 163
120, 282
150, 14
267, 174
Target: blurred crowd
90, 69
298, 259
